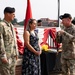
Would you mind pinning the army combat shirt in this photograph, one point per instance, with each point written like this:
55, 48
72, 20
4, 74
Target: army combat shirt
8, 44
68, 42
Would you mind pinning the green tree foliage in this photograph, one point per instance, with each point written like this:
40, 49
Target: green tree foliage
21, 23
14, 21
0, 19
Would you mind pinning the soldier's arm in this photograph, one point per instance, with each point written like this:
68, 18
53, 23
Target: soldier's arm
71, 37
58, 38
2, 48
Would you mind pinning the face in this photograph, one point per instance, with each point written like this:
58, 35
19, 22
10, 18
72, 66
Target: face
10, 16
33, 25
66, 22
40, 23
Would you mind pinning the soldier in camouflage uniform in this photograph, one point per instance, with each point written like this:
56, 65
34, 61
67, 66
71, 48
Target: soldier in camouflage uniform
67, 38
8, 44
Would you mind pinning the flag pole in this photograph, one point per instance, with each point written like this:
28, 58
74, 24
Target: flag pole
58, 13
58, 18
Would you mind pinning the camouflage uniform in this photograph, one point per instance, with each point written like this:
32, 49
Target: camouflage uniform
8, 48
68, 50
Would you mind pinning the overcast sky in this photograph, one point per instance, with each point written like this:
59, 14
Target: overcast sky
40, 8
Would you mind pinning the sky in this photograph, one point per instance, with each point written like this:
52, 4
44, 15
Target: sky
40, 8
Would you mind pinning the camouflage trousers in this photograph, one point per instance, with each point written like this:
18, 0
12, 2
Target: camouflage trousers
8, 68
68, 66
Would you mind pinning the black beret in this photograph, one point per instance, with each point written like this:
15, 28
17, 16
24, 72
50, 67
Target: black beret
9, 10
66, 15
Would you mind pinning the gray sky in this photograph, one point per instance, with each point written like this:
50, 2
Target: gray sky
40, 8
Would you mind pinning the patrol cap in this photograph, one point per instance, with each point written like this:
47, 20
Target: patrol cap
66, 15
9, 10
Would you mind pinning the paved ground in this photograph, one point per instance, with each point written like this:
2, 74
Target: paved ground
56, 73
19, 67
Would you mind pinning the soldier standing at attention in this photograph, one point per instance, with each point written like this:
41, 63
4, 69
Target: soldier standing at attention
8, 44
68, 45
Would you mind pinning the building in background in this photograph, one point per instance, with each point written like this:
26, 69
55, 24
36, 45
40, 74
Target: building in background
49, 23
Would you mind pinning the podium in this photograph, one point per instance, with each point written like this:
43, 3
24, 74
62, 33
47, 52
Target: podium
49, 62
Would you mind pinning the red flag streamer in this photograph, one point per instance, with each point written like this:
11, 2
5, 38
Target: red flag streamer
19, 42
52, 33
28, 13
28, 16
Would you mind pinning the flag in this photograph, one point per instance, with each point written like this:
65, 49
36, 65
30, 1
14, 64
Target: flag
28, 13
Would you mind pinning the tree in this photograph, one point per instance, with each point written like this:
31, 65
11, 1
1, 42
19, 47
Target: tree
21, 23
14, 21
0, 19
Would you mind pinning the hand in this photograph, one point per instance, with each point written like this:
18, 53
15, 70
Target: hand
38, 53
4, 60
16, 57
60, 32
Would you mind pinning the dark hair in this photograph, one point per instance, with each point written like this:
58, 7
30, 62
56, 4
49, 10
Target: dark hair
9, 10
73, 21
38, 21
30, 21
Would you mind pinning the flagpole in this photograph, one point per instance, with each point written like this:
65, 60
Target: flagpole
58, 18
58, 13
